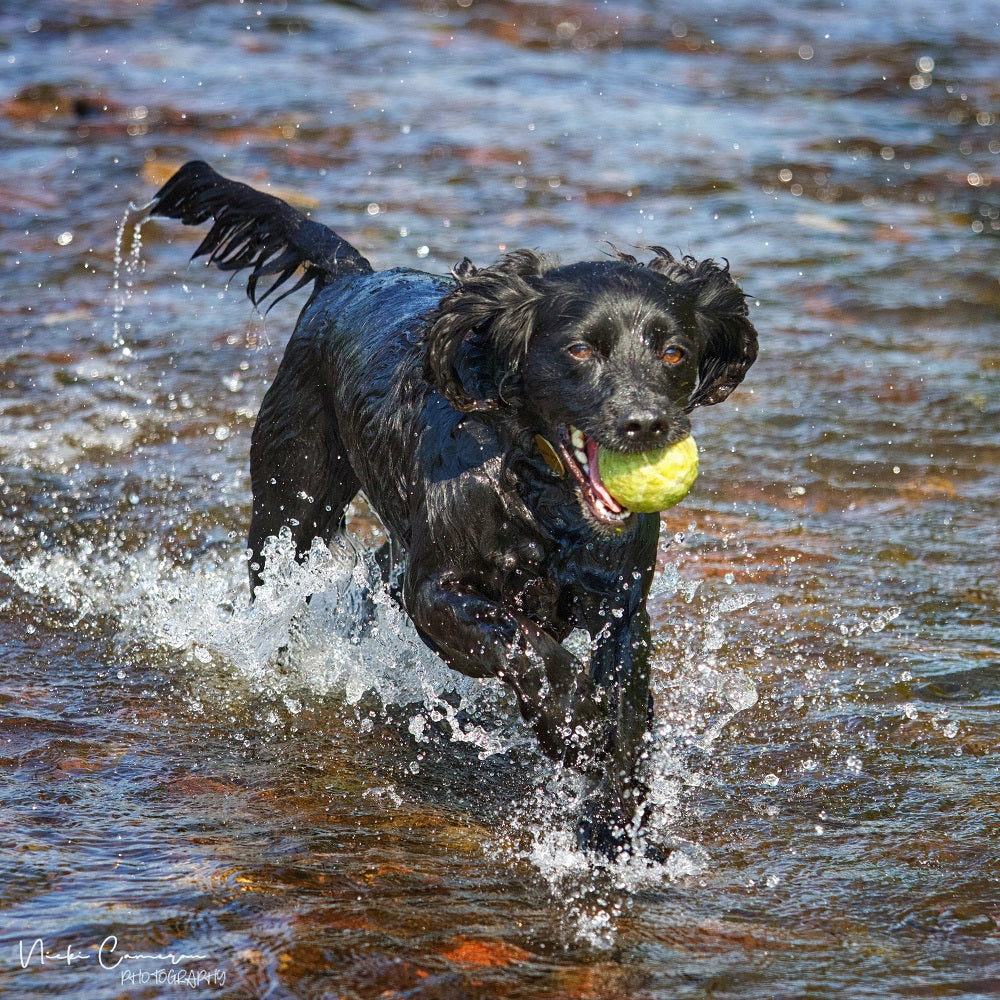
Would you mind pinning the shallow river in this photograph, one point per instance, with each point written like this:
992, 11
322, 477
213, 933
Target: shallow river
325, 824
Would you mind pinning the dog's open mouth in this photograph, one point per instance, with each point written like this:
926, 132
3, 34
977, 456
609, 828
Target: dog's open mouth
579, 453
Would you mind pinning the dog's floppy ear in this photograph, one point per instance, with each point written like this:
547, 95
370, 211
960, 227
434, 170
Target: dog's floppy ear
721, 313
493, 309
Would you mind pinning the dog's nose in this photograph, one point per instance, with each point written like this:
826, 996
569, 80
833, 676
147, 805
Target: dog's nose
643, 426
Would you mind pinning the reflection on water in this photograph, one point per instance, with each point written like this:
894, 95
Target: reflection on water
318, 811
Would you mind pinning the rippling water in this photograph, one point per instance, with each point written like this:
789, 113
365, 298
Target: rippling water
353, 820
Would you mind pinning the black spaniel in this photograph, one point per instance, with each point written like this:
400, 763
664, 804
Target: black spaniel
469, 409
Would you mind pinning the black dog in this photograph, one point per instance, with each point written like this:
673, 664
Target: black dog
469, 410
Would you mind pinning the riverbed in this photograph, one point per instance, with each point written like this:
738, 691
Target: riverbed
198, 794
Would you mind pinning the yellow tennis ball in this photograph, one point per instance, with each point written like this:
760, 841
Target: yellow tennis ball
652, 480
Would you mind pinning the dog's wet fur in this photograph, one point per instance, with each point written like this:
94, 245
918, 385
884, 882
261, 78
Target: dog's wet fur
468, 409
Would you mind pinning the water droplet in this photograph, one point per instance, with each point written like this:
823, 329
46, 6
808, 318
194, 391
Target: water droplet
124, 271
879, 622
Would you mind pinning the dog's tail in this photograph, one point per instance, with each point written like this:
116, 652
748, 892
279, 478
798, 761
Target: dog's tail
257, 230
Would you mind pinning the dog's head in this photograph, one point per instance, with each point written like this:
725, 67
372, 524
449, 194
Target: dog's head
613, 353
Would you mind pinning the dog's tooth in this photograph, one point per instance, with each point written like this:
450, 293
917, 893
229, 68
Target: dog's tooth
578, 439
581, 457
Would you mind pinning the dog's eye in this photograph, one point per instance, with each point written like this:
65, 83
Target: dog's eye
673, 355
580, 352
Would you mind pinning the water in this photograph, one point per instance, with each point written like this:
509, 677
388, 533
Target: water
349, 819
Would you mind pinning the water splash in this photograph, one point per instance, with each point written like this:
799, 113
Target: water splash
321, 626
697, 696
591, 892
326, 625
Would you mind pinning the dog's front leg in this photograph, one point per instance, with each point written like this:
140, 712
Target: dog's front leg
620, 667
480, 638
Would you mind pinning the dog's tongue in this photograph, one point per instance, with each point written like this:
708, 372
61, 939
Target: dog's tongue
596, 483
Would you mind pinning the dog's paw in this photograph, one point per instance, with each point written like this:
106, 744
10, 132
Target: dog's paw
614, 823
574, 728
600, 835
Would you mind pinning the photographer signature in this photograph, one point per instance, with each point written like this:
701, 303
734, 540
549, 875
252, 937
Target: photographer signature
107, 954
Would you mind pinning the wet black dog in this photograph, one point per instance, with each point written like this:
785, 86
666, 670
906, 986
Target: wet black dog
468, 409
